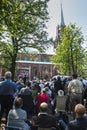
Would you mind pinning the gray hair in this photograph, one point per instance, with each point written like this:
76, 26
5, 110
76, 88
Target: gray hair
60, 93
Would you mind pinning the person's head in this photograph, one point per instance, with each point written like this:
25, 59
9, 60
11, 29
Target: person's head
74, 76
46, 88
8, 75
43, 107
60, 93
28, 83
18, 103
58, 78
43, 91
80, 110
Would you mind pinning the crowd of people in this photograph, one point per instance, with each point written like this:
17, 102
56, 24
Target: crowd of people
32, 104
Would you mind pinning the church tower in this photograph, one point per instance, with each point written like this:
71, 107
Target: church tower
60, 27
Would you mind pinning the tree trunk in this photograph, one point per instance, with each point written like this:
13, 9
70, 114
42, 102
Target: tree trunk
72, 61
13, 66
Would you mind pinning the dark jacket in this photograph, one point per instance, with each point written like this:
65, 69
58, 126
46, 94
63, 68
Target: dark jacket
84, 93
44, 120
28, 104
78, 124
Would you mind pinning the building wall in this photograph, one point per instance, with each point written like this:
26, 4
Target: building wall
41, 71
35, 65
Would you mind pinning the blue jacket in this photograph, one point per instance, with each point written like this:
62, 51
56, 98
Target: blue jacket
8, 87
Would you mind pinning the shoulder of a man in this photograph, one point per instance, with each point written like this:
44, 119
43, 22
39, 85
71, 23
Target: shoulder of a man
77, 80
2, 82
85, 117
71, 125
13, 82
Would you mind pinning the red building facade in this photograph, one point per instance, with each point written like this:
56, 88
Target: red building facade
35, 66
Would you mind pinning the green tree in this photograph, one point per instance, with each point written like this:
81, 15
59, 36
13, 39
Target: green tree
23, 24
69, 55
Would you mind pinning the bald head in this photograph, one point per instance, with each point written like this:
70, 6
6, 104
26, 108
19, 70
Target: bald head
80, 109
43, 107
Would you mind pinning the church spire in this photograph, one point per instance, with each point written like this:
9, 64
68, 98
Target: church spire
59, 28
62, 23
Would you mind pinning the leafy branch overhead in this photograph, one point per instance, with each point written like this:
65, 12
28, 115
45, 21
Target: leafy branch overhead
70, 54
22, 24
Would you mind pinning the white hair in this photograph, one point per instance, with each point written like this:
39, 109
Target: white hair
60, 93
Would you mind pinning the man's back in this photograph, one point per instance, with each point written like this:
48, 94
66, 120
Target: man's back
76, 86
75, 89
78, 124
7, 92
7, 87
46, 121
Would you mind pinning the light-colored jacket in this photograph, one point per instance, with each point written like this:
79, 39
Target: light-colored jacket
17, 117
75, 86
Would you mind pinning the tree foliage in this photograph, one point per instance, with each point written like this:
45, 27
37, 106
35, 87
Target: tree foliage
22, 24
70, 53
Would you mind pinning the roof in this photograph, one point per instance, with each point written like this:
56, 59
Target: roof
34, 62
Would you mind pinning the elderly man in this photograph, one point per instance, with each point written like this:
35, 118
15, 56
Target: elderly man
80, 122
44, 120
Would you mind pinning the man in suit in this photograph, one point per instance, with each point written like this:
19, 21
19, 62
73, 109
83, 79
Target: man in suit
80, 122
44, 120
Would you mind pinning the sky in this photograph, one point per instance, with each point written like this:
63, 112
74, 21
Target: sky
74, 11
